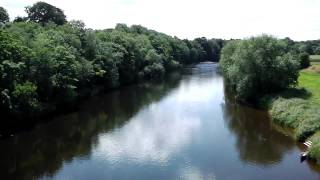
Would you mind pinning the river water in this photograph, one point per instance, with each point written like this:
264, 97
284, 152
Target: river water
183, 128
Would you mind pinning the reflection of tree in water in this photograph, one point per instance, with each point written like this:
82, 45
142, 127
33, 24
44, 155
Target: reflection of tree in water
257, 141
43, 151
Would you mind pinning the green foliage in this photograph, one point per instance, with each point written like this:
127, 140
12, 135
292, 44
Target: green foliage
43, 13
258, 66
47, 63
154, 71
296, 113
24, 98
20, 19
288, 112
311, 82
4, 16
309, 125
68, 61
304, 60
314, 150
298, 108
13, 60
211, 48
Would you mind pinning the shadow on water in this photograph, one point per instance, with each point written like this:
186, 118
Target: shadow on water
257, 140
44, 150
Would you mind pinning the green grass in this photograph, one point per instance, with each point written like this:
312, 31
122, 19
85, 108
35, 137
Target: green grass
299, 108
311, 82
314, 150
315, 58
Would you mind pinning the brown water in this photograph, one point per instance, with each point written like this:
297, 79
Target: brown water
183, 128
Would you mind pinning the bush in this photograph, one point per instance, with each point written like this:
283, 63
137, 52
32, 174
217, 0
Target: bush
258, 66
304, 60
172, 65
314, 150
288, 112
25, 99
296, 113
309, 124
154, 71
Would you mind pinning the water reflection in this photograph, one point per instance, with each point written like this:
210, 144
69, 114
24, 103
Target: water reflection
153, 135
257, 141
43, 151
183, 128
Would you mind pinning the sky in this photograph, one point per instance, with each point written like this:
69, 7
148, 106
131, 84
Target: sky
297, 19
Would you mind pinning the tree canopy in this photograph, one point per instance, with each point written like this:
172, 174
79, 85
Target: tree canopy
42, 12
48, 63
46, 66
257, 66
4, 16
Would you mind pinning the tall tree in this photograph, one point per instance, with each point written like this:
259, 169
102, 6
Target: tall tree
42, 12
4, 16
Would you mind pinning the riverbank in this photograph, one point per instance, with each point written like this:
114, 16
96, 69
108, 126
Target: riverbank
12, 124
298, 108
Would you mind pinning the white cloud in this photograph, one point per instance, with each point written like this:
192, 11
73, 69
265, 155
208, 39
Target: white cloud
298, 19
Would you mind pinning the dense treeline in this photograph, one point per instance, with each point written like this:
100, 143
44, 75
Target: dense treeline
47, 62
310, 47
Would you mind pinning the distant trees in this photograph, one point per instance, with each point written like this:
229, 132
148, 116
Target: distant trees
317, 50
42, 12
211, 48
258, 66
4, 16
20, 19
311, 47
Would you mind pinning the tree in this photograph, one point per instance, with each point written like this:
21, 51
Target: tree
4, 16
304, 60
20, 19
47, 64
258, 66
43, 13
25, 100
317, 50
13, 58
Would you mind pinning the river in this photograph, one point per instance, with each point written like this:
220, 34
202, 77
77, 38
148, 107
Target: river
182, 128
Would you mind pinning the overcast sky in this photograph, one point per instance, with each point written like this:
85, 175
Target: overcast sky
297, 19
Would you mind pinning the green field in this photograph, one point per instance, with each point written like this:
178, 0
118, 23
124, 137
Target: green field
311, 82
315, 58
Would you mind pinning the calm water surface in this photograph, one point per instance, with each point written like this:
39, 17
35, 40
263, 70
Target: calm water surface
183, 128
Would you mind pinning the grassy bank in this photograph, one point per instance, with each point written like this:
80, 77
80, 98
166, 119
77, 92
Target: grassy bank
299, 108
